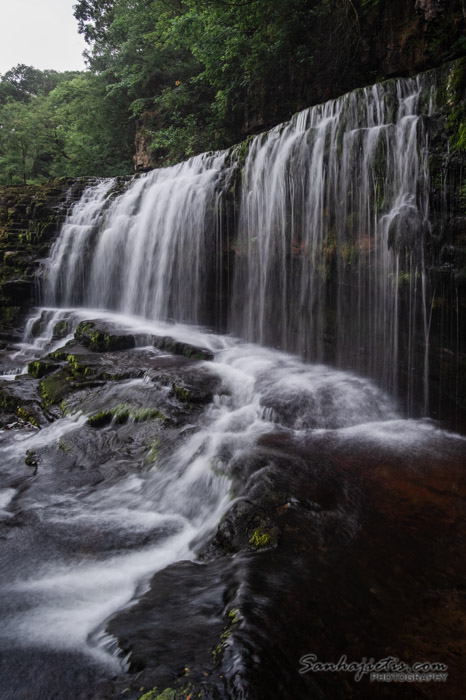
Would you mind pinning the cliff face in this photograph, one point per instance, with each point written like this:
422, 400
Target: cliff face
402, 38
142, 142
30, 217
376, 39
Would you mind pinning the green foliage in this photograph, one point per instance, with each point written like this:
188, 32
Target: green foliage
185, 76
54, 125
53, 387
22, 83
27, 141
196, 71
91, 128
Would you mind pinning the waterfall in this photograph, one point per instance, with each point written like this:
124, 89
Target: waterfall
334, 209
169, 458
321, 252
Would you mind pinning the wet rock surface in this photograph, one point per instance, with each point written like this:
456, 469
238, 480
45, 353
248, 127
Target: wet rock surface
346, 541
131, 406
360, 554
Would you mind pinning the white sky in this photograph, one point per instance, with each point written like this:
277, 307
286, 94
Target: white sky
40, 33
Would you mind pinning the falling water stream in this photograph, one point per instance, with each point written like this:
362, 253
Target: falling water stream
333, 204
330, 232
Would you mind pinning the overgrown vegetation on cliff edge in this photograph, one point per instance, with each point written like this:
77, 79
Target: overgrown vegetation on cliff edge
183, 76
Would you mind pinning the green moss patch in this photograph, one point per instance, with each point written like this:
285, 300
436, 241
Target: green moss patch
62, 329
180, 693
181, 393
28, 417
263, 538
80, 368
7, 401
455, 92
154, 450
122, 413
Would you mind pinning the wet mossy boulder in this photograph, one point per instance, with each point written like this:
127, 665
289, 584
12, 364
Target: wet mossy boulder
191, 393
55, 387
40, 368
192, 352
8, 400
62, 329
16, 404
99, 338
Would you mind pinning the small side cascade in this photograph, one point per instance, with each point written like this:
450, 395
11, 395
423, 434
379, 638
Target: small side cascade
150, 251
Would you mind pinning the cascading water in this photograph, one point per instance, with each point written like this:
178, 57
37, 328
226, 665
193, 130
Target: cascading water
329, 239
150, 250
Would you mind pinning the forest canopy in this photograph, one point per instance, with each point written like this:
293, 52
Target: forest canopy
181, 76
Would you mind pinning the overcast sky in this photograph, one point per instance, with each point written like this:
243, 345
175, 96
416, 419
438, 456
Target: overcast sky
40, 33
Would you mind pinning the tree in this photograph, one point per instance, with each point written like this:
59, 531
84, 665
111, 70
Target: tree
27, 141
93, 136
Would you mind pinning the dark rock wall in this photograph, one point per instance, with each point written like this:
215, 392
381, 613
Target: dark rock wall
445, 249
382, 39
30, 217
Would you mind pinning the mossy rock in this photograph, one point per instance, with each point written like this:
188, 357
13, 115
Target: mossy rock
8, 402
101, 419
246, 526
12, 404
39, 368
62, 329
100, 340
192, 352
55, 387
167, 694
180, 693
80, 368
28, 416
181, 393
233, 620
10, 315
59, 355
